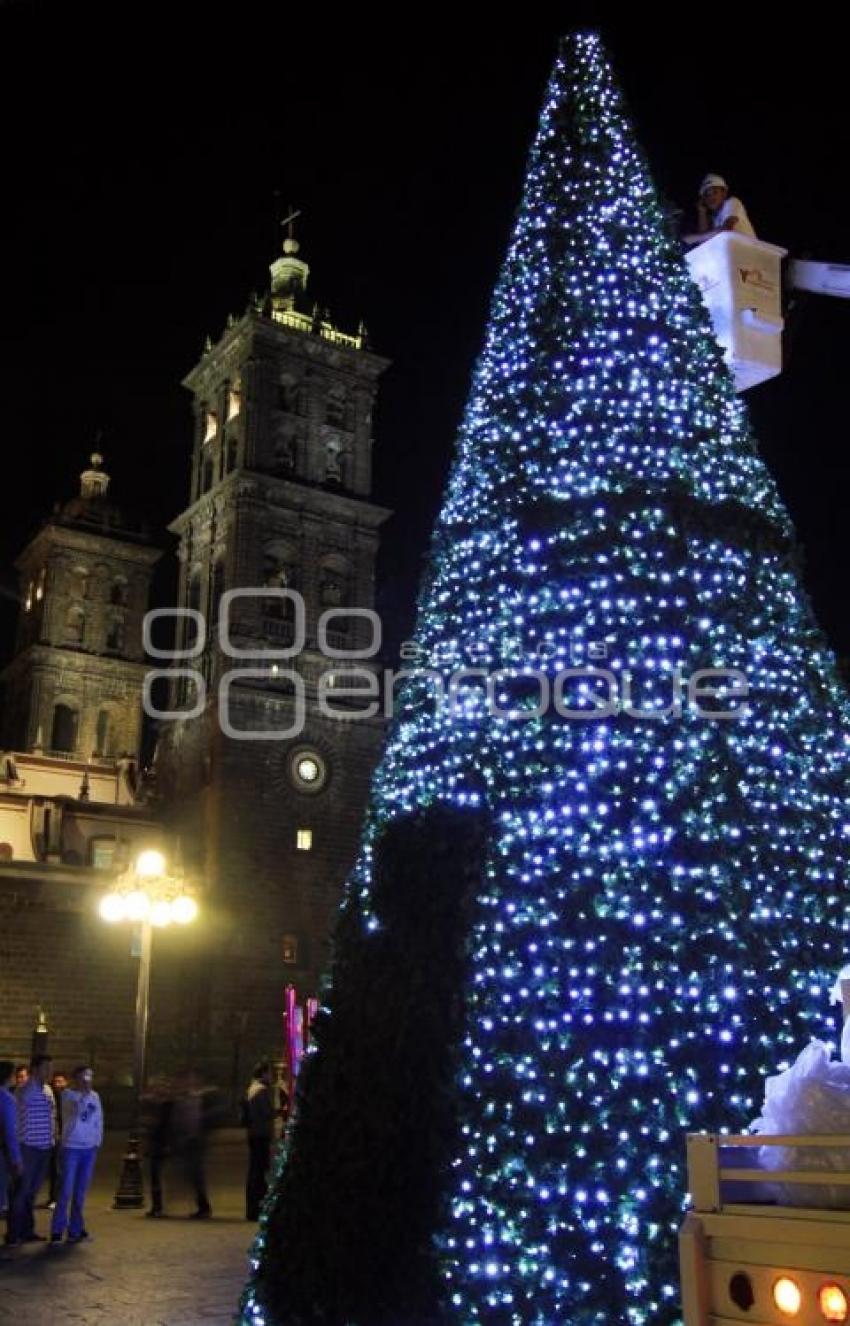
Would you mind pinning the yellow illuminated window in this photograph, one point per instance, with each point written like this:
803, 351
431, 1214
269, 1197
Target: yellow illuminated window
304, 840
212, 425
103, 853
234, 402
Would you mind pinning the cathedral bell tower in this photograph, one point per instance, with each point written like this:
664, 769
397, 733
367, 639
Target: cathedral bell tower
74, 686
269, 791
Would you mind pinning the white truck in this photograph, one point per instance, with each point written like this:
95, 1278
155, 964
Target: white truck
765, 1244
759, 1262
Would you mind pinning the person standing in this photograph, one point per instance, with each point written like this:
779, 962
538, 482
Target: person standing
58, 1083
178, 1130
258, 1119
82, 1135
189, 1126
35, 1110
157, 1106
11, 1166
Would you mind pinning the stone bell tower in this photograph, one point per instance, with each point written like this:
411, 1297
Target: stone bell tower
267, 789
74, 686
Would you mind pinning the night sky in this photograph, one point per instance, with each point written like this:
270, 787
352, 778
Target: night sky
140, 172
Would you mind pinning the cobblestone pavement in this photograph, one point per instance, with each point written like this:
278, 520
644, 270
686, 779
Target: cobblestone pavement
138, 1272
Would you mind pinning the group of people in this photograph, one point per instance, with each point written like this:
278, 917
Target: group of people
51, 1129
48, 1130
177, 1118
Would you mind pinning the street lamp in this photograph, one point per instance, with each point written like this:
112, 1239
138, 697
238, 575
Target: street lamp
149, 897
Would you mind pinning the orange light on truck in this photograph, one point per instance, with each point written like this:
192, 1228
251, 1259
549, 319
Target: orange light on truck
787, 1296
833, 1303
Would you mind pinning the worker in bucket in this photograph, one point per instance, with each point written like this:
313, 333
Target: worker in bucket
717, 209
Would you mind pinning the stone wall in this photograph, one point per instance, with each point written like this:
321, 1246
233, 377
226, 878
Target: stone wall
58, 955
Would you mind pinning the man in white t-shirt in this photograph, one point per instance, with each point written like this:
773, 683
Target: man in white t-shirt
82, 1136
717, 209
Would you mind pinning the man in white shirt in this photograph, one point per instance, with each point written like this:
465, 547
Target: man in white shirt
82, 1135
717, 209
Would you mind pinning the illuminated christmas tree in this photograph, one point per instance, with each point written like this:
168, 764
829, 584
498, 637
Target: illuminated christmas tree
659, 743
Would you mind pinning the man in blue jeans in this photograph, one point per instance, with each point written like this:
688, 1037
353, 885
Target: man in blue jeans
35, 1109
10, 1151
82, 1134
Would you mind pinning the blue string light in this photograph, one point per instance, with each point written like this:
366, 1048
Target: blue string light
665, 894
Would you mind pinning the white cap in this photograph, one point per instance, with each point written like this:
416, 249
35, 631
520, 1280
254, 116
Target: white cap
713, 182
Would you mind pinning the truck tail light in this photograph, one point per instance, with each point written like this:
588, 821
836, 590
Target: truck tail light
832, 1301
787, 1296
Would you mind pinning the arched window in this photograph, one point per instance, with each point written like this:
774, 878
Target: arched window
102, 852
232, 452
283, 449
79, 581
65, 724
115, 634
207, 476
335, 592
216, 591
279, 572
75, 626
289, 394
118, 593
105, 735
335, 407
334, 581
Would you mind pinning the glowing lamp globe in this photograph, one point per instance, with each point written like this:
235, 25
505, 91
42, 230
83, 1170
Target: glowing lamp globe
150, 864
184, 909
161, 913
112, 908
137, 905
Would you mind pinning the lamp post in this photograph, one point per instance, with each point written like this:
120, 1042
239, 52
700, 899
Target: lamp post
149, 897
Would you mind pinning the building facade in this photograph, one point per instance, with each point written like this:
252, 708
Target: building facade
267, 777
74, 685
262, 771
73, 811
